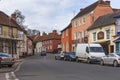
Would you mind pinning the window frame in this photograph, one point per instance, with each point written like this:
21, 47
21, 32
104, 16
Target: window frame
1, 30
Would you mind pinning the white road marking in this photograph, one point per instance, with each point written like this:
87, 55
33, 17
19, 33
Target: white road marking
11, 76
7, 76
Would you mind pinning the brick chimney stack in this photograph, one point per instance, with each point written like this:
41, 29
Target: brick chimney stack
108, 2
100, 1
13, 16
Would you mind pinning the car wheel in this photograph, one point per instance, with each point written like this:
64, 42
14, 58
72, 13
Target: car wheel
88, 61
102, 62
64, 59
115, 64
9, 65
55, 58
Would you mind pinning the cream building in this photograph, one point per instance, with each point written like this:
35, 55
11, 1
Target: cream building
103, 31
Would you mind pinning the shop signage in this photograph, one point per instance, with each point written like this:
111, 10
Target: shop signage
100, 35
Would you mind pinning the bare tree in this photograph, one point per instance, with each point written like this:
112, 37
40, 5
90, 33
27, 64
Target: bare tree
20, 19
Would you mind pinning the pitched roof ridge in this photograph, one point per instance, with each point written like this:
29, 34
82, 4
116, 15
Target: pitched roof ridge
89, 6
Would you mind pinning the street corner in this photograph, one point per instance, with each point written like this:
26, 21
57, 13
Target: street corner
6, 69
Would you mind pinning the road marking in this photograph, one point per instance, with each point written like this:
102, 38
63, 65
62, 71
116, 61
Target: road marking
11, 76
7, 76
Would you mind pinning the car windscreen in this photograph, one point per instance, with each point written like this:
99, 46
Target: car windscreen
118, 54
4, 55
96, 49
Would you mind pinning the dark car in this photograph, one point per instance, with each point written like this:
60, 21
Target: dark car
70, 56
6, 59
43, 53
60, 55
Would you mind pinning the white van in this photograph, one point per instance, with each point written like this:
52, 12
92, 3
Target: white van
89, 52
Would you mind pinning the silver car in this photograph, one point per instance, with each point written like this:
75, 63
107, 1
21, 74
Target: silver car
111, 59
6, 59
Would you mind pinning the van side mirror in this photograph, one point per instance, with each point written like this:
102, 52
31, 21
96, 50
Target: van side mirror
87, 49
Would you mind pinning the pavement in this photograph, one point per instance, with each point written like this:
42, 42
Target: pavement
6, 70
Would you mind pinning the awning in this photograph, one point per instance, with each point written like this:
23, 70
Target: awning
117, 40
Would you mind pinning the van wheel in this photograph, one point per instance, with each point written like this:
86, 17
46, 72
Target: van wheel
102, 62
115, 64
88, 61
77, 60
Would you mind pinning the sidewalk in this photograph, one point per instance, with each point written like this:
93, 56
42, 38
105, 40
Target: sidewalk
8, 69
2, 76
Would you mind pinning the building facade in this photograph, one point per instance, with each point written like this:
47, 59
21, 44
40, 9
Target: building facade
9, 35
51, 41
103, 31
85, 18
66, 38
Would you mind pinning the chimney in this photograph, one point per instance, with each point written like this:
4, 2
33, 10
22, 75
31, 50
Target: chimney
44, 34
108, 2
13, 16
100, 1
54, 31
81, 9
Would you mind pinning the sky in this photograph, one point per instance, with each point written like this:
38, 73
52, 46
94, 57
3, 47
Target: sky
48, 15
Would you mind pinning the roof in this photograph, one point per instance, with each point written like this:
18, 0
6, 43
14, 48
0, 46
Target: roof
91, 8
86, 10
7, 21
70, 25
104, 20
115, 10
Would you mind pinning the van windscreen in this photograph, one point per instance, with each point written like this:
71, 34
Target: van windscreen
96, 49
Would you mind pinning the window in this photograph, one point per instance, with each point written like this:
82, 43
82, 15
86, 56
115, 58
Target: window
94, 36
0, 29
84, 20
80, 22
10, 32
107, 34
76, 35
76, 23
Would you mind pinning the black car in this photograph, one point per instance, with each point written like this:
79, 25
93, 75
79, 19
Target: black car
70, 56
43, 53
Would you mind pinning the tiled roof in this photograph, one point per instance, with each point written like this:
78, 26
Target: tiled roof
115, 10
86, 10
7, 21
90, 8
104, 20
51, 36
70, 25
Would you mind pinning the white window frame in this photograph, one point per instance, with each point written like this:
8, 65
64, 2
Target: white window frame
108, 34
94, 36
84, 20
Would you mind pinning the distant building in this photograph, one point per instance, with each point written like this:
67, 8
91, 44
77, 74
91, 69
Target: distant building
51, 41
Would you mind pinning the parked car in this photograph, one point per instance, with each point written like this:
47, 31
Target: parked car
43, 53
70, 56
6, 59
59, 55
111, 59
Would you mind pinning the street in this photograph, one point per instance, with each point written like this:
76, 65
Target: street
47, 68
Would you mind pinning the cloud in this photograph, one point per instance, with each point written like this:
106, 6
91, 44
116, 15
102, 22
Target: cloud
46, 15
